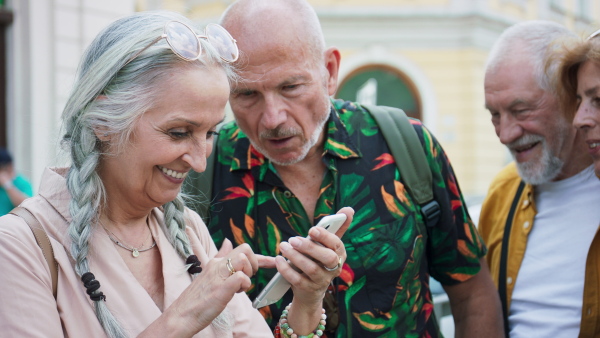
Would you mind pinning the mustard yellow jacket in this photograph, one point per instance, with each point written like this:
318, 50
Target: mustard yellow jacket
492, 221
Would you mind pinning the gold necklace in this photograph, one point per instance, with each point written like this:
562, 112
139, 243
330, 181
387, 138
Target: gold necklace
135, 252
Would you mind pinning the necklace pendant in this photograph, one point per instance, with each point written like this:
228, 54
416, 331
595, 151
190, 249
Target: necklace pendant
135, 253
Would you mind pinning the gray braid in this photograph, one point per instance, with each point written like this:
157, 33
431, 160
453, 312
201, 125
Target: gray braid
86, 188
175, 224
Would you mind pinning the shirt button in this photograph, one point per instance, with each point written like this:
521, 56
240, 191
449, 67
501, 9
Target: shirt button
509, 280
525, 203
526, 225
287, 194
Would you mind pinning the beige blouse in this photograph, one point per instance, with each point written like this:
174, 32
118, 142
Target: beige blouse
28, 308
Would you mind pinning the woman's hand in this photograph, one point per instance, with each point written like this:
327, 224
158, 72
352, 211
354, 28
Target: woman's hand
318, 265
210, 292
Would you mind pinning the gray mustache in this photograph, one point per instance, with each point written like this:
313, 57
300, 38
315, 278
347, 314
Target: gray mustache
280, 133
525, 140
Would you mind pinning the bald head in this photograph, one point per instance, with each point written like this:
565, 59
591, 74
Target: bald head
276, 26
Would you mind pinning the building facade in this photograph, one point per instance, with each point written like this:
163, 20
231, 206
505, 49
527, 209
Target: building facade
44, 43
428, 58
425, 56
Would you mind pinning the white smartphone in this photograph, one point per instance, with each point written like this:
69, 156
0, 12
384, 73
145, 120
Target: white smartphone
278, 286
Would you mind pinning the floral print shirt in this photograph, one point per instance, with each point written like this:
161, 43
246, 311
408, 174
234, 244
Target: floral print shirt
383, 289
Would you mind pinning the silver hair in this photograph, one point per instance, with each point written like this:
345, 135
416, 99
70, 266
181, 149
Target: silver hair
535, 40
110, 94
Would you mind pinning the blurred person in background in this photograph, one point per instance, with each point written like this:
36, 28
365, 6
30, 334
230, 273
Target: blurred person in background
542, 211
579, 76
580, 88
14, 188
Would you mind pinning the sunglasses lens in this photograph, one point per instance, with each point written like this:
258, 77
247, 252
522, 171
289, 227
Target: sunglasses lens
223, 42
183, 40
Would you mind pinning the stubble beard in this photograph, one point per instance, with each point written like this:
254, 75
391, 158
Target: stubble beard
307, 144
544, 168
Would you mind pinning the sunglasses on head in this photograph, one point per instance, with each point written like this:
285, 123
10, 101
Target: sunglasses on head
184, 42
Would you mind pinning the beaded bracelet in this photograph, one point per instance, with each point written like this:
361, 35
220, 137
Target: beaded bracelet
287, 332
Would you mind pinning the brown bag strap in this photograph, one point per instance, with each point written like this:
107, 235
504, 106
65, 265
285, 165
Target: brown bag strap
42, 240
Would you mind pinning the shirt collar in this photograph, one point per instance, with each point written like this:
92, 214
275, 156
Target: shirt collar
338, 141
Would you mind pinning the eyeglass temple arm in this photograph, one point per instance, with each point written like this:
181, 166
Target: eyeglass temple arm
144, 49
593, 35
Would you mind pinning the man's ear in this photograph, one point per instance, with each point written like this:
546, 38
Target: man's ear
332, 64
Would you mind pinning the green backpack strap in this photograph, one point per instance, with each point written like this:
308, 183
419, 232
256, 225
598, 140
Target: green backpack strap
201, 184
405, 146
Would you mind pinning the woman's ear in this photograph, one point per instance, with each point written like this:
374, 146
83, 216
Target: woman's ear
102, 134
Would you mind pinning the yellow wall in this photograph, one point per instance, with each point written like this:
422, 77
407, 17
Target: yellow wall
206, 10
463, 125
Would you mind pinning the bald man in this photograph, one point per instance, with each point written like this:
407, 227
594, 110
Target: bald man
293, 155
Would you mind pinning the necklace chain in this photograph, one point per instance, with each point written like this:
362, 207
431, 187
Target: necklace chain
135, 252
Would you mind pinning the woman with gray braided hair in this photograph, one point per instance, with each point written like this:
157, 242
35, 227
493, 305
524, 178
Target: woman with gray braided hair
132, 259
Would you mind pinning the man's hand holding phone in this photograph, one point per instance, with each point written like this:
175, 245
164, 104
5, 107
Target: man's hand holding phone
313, 261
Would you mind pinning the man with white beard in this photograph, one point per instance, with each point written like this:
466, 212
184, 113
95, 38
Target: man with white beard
542, 211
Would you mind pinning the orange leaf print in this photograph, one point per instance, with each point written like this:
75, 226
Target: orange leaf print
266, 312
234, 135
461, 277
248, 183
238, 236
370, 326
255, 157
428, 139
384, 159
390, 203
249, 223
347, 274
453, 187
401, 192
464, 249
273, 231
236, 192
324, 189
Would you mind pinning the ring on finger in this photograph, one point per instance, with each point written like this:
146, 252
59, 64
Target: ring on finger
230, 267
339, 265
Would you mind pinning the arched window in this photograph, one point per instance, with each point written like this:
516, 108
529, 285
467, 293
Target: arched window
381, 85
